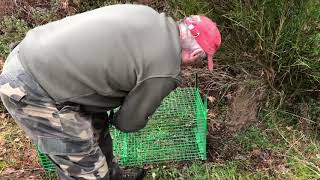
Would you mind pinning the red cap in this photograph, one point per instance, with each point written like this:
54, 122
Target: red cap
207, 35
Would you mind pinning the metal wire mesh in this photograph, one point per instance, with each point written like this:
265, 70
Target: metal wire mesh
46, 163
177, 131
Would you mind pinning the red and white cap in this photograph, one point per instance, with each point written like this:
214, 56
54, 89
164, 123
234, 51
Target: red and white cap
207, 35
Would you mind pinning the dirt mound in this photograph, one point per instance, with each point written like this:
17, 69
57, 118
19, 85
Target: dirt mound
243, 107
233, 104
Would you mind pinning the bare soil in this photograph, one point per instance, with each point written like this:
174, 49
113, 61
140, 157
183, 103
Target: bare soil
244, 107
241, 101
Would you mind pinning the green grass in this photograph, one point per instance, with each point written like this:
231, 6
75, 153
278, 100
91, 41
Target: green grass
197, 171
281, 38
278, 40
50, 176
253, 138
270, 149
6, 163
12, 30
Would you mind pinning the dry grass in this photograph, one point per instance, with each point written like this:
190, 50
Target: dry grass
271, 148
18, 157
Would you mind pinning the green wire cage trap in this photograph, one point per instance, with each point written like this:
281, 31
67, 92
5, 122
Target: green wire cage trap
45, 162
175, 132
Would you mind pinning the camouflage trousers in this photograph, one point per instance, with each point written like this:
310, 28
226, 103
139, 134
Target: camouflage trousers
67, 135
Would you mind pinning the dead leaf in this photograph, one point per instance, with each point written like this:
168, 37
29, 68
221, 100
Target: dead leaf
148, 167
3, 115
31, 178
256, 152
65, 4
211, 99
289, 128
8, 171
240, 157
19, 173
2, 142
3, 151
229, 96
282, 168
212, 115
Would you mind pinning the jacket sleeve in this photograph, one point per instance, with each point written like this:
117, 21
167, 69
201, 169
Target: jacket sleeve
142, 102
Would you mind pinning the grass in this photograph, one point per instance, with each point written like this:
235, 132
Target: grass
281, 37
277, 39
274, 40
197, 170
300, 151
253, 138
18, 156
12, 30
270, 149
10, 138
273, 148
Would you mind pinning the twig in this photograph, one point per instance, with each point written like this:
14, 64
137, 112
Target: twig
311, 90
238, 23
295, 115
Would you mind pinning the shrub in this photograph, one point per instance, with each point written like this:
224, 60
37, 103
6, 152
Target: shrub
11, 30
281, 37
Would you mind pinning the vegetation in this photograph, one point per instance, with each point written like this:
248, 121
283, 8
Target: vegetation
271, 42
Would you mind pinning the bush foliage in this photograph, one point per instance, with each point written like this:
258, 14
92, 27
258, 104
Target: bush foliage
275, 39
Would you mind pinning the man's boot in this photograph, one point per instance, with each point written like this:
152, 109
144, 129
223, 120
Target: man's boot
117, 173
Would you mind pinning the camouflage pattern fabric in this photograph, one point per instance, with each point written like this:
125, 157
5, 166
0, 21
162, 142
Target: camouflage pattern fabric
66, 134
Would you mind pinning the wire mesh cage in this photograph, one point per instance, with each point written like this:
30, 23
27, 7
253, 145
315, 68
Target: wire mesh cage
45, 162
175, 132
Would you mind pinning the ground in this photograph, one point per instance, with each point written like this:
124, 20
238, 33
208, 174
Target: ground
244, 141
260, 124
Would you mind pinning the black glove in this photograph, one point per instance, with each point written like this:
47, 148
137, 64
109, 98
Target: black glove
111, 118
105, 140
117, 173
